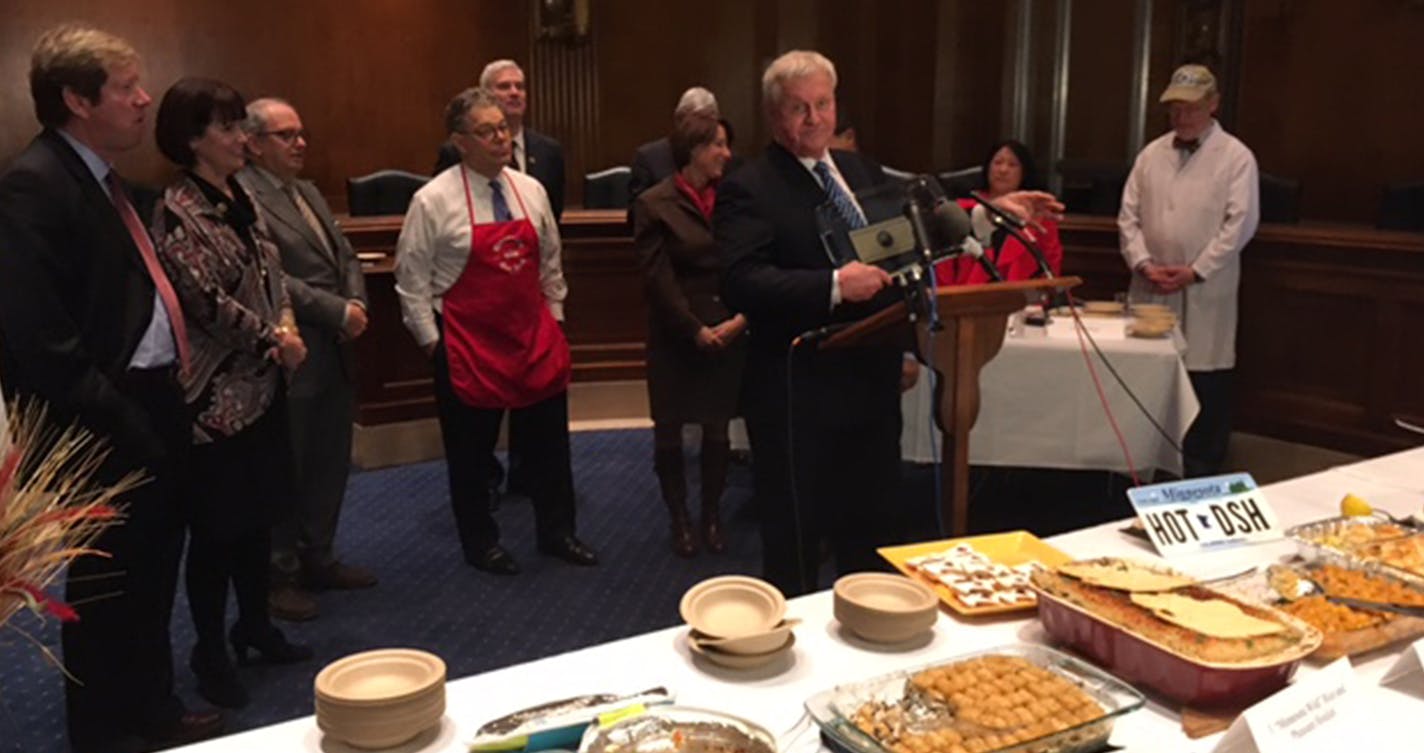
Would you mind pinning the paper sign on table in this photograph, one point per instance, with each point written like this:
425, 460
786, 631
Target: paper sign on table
1322, 711
1205, 514
1408, 669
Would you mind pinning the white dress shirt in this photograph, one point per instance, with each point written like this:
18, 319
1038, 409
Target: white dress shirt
1198, 210
434, 242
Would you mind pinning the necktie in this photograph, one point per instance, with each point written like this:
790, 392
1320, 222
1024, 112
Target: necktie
839, 198
501, 207
1187, 146
150, 262
309, 215
514, 156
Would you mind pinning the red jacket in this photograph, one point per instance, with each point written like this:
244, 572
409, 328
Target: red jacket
1013, 260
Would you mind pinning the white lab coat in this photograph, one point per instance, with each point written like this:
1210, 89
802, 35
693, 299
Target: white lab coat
1200, 212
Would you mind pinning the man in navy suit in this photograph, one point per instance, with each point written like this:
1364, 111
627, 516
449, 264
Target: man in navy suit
824, 425
536, 154
90, 326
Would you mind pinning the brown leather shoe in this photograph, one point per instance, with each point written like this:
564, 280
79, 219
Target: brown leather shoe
338, 576
191, 727
287, 602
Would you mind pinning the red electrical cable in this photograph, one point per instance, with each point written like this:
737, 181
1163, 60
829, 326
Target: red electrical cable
1097, 384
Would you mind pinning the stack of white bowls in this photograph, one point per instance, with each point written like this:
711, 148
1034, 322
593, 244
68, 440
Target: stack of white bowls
737, 621
382, 698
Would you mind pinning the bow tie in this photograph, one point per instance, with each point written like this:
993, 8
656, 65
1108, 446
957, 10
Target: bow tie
1188, 146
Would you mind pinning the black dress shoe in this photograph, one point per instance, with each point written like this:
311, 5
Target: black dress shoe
270, 644
569, 549
191, 727
338, 576
217, 678
495, 560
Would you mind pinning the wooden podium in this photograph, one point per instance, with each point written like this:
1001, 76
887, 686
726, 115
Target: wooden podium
974, 318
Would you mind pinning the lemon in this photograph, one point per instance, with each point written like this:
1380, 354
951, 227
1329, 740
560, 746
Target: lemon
1354, 507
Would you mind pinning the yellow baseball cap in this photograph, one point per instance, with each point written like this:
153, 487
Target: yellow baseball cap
1189, 84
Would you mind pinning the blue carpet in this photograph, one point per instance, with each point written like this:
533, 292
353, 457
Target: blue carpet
398, 522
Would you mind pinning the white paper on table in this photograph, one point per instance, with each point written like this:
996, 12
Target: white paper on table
1321, 712
1408, 669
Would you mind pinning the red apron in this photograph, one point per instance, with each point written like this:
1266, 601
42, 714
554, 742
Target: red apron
503, 346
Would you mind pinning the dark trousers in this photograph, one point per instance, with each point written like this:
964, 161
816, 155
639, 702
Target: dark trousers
119, 649
214, 560
846, 482
539, 433
1204, 446
321, 450
238, 487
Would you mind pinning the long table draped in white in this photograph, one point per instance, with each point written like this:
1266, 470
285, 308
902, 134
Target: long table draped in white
825, 656
1039, 408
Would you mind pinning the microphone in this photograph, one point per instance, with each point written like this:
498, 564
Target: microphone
951, 225
813, 336
972, 248
1018, 229
997, 215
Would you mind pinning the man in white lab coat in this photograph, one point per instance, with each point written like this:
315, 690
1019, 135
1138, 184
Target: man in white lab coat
1189, 207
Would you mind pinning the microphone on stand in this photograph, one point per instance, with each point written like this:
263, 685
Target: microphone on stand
1018, 229
998, 215
972, 248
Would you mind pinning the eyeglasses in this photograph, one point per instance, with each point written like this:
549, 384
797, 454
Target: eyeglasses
488, 132
287, 135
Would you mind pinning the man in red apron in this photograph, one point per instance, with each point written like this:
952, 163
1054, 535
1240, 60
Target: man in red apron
481, 289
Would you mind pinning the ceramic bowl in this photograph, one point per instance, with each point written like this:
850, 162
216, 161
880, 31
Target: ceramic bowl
884, 608
733, 660
733, 606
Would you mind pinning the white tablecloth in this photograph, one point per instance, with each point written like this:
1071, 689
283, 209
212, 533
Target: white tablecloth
1039, 408
824, 656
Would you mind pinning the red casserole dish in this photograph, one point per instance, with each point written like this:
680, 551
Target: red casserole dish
1144, 662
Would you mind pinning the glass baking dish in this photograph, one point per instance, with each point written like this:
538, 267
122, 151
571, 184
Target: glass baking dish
834, 709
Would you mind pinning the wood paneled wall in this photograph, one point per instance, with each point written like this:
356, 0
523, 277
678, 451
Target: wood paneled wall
1324, 94
370, 78
1330, 97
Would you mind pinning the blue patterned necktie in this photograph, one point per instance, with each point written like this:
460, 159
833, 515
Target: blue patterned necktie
838, 197
501, 207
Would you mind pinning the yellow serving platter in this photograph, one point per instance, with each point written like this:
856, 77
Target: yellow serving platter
1011, 548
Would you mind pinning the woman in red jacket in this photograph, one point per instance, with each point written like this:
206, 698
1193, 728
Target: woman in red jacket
1009, 167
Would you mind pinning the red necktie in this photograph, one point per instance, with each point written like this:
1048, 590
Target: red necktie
150, 260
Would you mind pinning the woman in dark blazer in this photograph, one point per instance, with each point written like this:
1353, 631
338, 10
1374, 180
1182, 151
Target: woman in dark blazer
695, 346
227, 274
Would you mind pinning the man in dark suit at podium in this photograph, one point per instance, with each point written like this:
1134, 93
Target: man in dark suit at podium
824, 425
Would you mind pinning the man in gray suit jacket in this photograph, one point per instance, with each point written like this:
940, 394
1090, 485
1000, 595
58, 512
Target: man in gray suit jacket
329, 296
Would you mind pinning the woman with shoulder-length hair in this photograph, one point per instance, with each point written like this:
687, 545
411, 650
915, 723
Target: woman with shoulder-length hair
228, 276
695, 346
1008, 167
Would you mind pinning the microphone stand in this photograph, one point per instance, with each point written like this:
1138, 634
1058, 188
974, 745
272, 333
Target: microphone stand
920, 283
1032, 247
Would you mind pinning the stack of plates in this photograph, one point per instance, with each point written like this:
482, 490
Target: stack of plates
737, 621
379, 699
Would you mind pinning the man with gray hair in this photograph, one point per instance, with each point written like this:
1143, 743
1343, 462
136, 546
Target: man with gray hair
653, 161
844, 421
532, 152
329, 295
